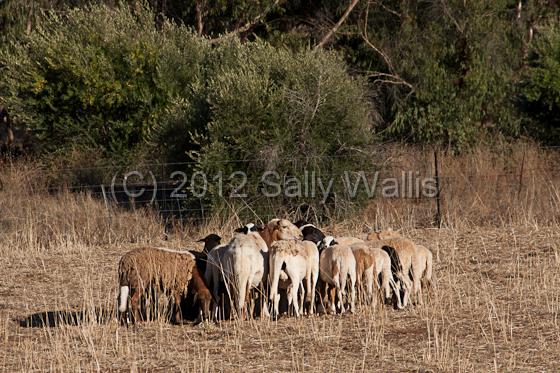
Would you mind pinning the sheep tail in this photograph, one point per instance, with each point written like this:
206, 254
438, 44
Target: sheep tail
123, 298
124, 288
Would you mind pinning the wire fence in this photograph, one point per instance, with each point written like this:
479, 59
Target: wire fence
181, 192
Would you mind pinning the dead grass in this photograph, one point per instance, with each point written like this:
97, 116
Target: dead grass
496, 306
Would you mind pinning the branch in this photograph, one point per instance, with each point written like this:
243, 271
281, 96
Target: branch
248, 25
395, 78
199, 11
329, 34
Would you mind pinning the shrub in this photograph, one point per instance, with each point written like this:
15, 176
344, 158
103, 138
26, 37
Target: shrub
97, 77
275, 110
540, 87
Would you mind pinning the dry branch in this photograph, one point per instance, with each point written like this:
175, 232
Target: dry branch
329, 34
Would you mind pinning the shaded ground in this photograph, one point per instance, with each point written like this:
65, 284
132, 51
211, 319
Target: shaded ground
496, 309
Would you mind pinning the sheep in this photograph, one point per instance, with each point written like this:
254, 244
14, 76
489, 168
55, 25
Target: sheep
382, 268
210, 241
347, 241
337, 263
300, 260
214, 276
314, 234
310, 232
421, 266
279, 229
422, 272
365, 268
169, 270
244, 265
402, 252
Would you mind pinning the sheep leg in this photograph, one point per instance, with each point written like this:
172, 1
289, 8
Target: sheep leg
341, 294
407, 284
177, 304
308, 293
352, 292
242, 293
263, 300
294, 294
134, 305
417, 287
332, 297
274, 273
369, 286
314, 279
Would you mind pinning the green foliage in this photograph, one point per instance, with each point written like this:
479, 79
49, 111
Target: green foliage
540, 87
97, 77
270, 109
459, 61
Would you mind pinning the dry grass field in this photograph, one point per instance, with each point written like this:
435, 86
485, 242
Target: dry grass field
496, 305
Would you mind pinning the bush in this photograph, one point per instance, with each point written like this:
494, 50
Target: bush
109, 81
540, 87
99, 78
275, 110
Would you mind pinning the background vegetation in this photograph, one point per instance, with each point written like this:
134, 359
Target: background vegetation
317, 83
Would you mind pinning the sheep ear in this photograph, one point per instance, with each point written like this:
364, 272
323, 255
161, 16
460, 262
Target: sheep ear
240, 230
333, 242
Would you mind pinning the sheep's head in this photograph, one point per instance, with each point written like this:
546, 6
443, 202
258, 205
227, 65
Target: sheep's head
383, 235
249, 227
326, 242
300, 223
210, 242
285, 230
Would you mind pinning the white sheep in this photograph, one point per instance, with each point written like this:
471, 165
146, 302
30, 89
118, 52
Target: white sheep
300, 260
244, 266
337, 266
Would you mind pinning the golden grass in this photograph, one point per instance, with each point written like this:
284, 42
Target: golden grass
496, 305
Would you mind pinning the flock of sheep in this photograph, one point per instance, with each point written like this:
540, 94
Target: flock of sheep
260, 266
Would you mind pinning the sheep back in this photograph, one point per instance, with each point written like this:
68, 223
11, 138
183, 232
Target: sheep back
146, 266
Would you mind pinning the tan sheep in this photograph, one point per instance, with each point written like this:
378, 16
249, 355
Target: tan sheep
337, 271
365, 269
401, 251
280, 229
163, 269
422, 267
382, 276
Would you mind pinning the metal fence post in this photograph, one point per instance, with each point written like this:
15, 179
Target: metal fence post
438, 201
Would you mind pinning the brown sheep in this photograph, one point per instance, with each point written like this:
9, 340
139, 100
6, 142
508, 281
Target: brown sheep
160, 269
365, 269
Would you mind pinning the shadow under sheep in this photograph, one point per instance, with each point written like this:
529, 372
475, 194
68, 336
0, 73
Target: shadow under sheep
49, 319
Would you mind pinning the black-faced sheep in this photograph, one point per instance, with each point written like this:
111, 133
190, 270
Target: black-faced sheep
310, 232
